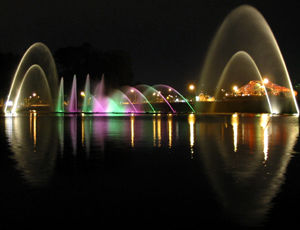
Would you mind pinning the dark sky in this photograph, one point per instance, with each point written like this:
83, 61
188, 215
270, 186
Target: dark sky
167, 40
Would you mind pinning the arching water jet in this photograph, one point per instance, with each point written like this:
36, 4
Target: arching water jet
246, 29
148, 89
38, 54
37, 72
240, 64
129, 89
169, 88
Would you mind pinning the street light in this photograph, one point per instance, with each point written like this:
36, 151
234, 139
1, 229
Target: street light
191, 87
235, 88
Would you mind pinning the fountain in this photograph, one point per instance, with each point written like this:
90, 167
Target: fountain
171, 90
243, 49
87, 106
40, 55
33, 81
156, 97
60, 99
245, 29
73, 99
240, 64
138, 99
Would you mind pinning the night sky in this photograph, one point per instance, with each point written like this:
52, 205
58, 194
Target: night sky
167, 40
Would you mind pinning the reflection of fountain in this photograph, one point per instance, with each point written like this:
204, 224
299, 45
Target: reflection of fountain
245, 29
73, 132
33, 142
247, 181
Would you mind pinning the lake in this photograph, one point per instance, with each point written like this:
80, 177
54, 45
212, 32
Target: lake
151, 171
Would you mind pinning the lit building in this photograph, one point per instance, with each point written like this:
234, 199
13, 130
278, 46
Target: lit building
257, 88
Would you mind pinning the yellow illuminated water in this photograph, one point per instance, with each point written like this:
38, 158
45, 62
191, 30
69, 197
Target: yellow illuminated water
235, 124
132, 130
191, 120
170, 130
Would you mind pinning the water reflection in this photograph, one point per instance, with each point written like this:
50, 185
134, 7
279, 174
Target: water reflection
244, 156
235, 123
73, 129
154, 130
264, 121
157, 130
61, 134
191, 120
170, 130
158, 121
246, 179
33, 141
132, 130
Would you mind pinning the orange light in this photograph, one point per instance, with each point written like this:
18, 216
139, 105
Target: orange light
235, 88
191, 87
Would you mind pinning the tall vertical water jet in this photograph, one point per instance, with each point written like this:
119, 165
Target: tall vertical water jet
245, 29
60, 108
100, 101
87, 106
38, 54
73, 98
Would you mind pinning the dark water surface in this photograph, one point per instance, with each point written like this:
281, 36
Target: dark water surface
150, 171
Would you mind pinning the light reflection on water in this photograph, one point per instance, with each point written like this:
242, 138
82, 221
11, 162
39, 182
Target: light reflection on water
244, 156
246, 165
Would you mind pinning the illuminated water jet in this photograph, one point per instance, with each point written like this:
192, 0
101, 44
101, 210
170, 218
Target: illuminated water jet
87, 106
146, 89
73, 98
240, 64
38, 54
128, 90
60, 99
245, 29
37, 76
171, 89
